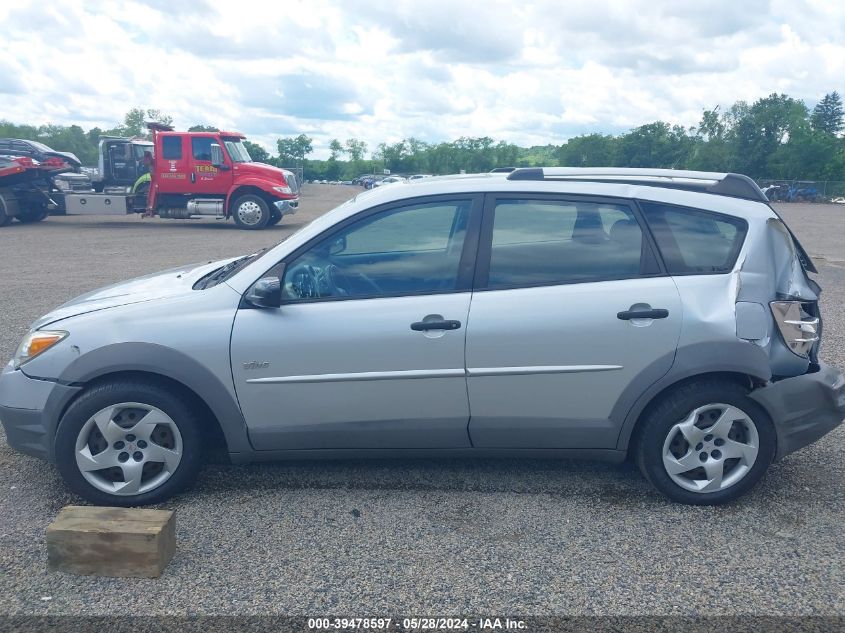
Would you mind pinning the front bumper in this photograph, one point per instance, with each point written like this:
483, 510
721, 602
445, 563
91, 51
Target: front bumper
30, 410
804, 408
287, 207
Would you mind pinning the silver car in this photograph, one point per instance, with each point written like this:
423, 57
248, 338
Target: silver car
663, 316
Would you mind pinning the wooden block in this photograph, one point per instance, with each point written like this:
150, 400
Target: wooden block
120, 542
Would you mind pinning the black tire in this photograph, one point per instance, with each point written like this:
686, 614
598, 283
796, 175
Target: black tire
257, 205
32, 216
5, 218
677, 405
104, 395
275, 218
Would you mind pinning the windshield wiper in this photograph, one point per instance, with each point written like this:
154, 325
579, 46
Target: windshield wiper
222, 273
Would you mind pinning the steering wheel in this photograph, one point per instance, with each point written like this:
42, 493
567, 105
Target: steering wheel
305, 281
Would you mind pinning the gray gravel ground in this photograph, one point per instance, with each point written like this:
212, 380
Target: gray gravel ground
421, 537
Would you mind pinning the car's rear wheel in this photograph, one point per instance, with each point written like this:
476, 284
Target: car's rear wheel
127, 444
706, 443
251, 212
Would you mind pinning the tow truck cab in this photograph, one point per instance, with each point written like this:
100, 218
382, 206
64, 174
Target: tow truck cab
121, 163
211, 173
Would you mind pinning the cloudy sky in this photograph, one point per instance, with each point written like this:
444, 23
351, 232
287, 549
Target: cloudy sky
527, 72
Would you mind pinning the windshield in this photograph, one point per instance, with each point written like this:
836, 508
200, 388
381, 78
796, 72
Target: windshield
237, 151
140, 149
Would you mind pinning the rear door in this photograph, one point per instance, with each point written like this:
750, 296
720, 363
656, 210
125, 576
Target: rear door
572, 317
171, 163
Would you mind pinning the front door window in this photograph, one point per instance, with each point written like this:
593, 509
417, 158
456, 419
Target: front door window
412, 250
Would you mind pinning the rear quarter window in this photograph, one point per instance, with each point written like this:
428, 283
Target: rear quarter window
695, 241
171, 147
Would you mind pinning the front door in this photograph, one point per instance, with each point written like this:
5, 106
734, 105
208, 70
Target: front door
367, 350
206, 178
571, 319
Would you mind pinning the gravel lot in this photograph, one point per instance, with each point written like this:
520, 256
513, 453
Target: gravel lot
421, 537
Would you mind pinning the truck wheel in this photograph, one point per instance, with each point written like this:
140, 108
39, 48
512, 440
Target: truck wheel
706, 443
32, 216
5, 218
128, 443
251, 212
275, 218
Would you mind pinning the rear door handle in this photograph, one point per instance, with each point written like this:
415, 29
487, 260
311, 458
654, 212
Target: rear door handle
656, 313
422, 326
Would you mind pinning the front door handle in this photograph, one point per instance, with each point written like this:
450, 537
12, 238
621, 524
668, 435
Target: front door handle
655, 313
423, 326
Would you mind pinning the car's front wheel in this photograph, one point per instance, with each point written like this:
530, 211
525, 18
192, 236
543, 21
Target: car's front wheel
706, 443
128, 443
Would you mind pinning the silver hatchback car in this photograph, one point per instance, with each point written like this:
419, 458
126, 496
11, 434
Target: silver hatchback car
662, 316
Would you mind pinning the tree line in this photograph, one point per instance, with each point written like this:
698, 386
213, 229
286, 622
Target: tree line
776, 137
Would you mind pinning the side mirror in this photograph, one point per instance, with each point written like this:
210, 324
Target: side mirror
338, 246
265, 293
216, 155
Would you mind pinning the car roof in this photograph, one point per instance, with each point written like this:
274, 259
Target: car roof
500, 183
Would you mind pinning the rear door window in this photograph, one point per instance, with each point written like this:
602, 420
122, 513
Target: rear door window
694, 241
543, 242
171, 148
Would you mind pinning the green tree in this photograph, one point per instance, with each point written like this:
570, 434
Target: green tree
756, 132
589, 150
711, 149
256, 152
135, 121
336, 149
293, 150
655, 145
827, 116
355, 149
203, 128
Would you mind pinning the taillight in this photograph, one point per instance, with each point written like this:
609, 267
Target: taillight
799, 329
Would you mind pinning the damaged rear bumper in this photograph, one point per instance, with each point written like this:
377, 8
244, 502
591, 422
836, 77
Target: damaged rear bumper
804, 408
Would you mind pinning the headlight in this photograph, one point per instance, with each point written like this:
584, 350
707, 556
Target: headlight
36, 343
284, 189
61, 185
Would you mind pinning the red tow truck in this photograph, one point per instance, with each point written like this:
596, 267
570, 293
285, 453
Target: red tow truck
199, 174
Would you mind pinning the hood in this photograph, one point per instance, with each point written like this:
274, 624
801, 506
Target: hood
267, 172
169, 283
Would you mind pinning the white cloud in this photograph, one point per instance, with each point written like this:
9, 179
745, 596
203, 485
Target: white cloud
530, 73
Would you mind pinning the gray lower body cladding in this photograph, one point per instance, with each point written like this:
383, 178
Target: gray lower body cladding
804, 408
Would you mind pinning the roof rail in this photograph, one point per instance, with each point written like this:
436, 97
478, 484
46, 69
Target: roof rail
733, 185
